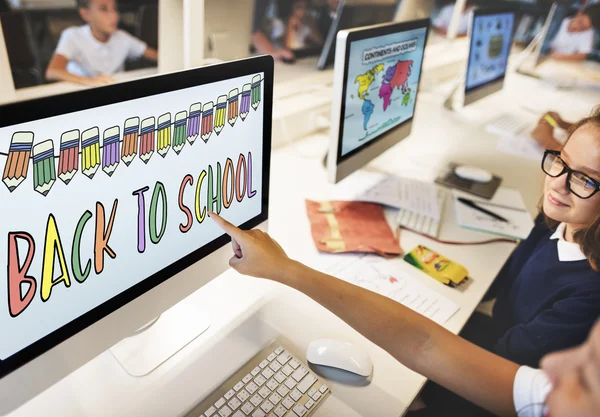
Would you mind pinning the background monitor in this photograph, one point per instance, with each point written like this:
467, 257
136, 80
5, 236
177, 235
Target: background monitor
104, 195
491, 34
377, 74
351, 14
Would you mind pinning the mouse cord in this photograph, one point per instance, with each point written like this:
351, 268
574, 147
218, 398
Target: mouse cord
449, 242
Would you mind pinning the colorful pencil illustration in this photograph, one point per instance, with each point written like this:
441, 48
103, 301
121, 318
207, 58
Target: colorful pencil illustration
207, 121
256, 91
90, 152
179, 132
17, 162
220, 113
245, 105
44, 174
147, 139
193, 127
164, 134
233, 106
130, 140
110, 150
68, 159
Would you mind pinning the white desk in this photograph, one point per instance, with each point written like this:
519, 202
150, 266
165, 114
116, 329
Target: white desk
247, 313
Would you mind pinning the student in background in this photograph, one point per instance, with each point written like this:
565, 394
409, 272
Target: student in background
92, 53
442, 21
269, 29
568, 385
575, 38
302, 31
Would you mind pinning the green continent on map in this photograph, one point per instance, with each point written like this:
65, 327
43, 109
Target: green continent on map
365, 80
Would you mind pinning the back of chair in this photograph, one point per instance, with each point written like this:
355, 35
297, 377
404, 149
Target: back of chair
147, 25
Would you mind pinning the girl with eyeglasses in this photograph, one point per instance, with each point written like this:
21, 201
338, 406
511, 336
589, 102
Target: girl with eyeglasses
567, 386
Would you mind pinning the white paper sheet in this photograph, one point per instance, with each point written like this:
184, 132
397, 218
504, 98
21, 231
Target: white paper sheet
385, 278
521, 147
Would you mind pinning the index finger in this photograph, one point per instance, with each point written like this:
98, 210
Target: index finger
227, 227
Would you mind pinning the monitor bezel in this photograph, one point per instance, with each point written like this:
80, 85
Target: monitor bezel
368, 33
20, 112
500, 79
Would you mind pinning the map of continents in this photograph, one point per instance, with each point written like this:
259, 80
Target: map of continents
396, 76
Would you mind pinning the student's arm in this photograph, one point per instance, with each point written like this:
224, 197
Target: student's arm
415, 341
57, 71
264, 46
151, 54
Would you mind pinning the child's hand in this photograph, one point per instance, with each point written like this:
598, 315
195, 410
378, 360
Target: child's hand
98, 81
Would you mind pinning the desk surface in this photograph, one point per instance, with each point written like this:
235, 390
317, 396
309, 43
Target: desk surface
248, 313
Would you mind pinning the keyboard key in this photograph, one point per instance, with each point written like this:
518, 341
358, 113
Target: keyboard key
280, 377
247, 379
300, 373
306, 383
263, 364
256, 400
275, 398
287, 370
220, 403
283, 358
238, 386
317, 396
258, 413
323, 389
267, 406
300, 410
247, 408
272, 384
243, 395
264, 392
251, 388
290, 383
225, 411
309, 404
238, 414
312, 392
272, 357
283, 391
295, 395
267, 373
278, 350
211, 411
234, 404
294, 364
288, 403
275, 366
260, 380
255, 371
229, 394
280, 411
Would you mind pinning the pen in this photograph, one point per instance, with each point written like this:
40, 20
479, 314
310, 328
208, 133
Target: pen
550, 120
471, 203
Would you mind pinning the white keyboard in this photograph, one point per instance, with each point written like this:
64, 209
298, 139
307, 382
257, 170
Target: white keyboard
272, 384
507, 124
419, 222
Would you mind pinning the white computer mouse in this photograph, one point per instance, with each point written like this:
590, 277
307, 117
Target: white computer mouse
474, 174
340, 355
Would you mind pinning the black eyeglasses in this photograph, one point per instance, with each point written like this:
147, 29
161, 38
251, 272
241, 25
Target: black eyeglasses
580, 184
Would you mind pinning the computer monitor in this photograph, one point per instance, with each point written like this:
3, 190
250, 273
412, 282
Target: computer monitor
376, 84
351, 14
491, 32
105, 194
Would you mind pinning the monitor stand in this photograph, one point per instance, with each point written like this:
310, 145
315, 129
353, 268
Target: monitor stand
456, 99
160, 339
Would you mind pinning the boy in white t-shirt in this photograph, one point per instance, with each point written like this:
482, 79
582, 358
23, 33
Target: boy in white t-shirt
575, 38
90, 54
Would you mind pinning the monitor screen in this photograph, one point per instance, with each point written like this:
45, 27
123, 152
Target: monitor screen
491, 39
105, 193
380, 87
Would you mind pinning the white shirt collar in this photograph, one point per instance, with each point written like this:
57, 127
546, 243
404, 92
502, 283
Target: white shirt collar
567, 251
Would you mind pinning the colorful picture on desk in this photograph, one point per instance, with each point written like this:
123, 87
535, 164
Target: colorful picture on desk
98, 200
491, 39
381, 88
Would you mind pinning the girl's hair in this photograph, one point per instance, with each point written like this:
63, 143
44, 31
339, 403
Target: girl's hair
588, 238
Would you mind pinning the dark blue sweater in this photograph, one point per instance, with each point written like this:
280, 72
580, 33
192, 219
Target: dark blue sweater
543, 305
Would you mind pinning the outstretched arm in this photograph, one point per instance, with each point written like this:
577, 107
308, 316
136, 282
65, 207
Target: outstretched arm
415, 341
